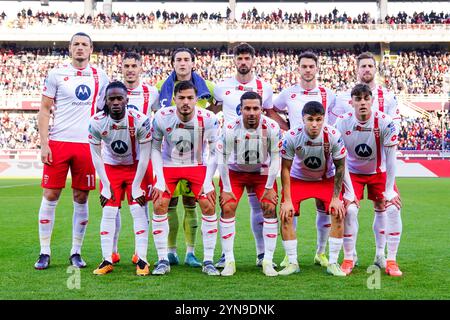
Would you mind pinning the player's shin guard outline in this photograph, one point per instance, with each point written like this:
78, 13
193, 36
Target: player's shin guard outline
160, 230
209, 235
270, 232
46, 223
107, 228
350, 231
79, 224
323, 225
140, 227
394, 228
257, 221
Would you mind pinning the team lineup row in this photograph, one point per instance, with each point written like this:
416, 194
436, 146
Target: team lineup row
246, 150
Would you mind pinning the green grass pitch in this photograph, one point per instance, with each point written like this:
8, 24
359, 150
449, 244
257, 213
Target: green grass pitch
423, 256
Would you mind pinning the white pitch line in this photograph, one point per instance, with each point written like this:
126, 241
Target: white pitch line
19, 185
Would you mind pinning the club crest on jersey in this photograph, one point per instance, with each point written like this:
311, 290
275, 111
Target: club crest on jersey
313, 162
119, 147
83, 92
363, 150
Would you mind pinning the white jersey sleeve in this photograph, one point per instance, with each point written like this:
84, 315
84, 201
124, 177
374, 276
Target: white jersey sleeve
267, 96
279, 102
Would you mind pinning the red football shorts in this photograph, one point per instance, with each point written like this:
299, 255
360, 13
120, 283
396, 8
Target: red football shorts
121, 178
303, 189
73, 155
253, 181
376, 184
195, 176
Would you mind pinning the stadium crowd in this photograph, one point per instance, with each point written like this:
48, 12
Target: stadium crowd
413, 72
19, 131
247, 19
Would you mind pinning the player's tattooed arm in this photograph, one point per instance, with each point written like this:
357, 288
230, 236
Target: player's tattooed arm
336, 206
217, 107
273, 114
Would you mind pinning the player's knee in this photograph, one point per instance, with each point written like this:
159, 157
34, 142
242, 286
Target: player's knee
379, 205
173, 202
206, 207
229, 210
161, 206
270, 212
189, 201
52, 194
80, 196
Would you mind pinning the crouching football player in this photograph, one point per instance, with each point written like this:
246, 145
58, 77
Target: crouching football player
248, 156
121, 165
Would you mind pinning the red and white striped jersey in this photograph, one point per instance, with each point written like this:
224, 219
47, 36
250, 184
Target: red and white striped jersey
295, 97
77, 94
184, 143
313, 158
384, 101
230, 90
365, 142
121, 138
143, 98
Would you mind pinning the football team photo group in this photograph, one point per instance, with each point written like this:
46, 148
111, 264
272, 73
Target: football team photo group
188, 154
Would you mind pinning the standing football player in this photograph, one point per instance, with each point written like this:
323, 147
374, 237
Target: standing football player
75, 90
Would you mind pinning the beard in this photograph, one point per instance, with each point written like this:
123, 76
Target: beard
244, 70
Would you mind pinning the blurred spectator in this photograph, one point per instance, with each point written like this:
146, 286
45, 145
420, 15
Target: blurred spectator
19, 131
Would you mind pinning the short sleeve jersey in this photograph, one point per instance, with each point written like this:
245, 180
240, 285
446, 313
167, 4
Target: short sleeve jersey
313, 158
294, 98
184, 143
230, 90
77, 94
121, 138
365, 142
249, 150
143, 98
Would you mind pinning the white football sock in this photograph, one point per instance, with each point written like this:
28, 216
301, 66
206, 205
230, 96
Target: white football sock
46, 222
323, 225
257, 221
335, 248
290, 246
116, 234
160, 227
107, 228
227, 233
394, 228
80, 221
209, 235
270, 231
379, 228
350, 231
140, 227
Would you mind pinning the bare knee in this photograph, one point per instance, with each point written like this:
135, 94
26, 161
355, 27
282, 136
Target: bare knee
269, 211
52, 194
229, 210
379, 205
161, 206
80, 196
206, 207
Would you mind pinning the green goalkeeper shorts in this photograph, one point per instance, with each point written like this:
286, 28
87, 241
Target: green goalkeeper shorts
183, 189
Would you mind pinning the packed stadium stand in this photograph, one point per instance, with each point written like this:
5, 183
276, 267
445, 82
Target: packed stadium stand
411, 48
